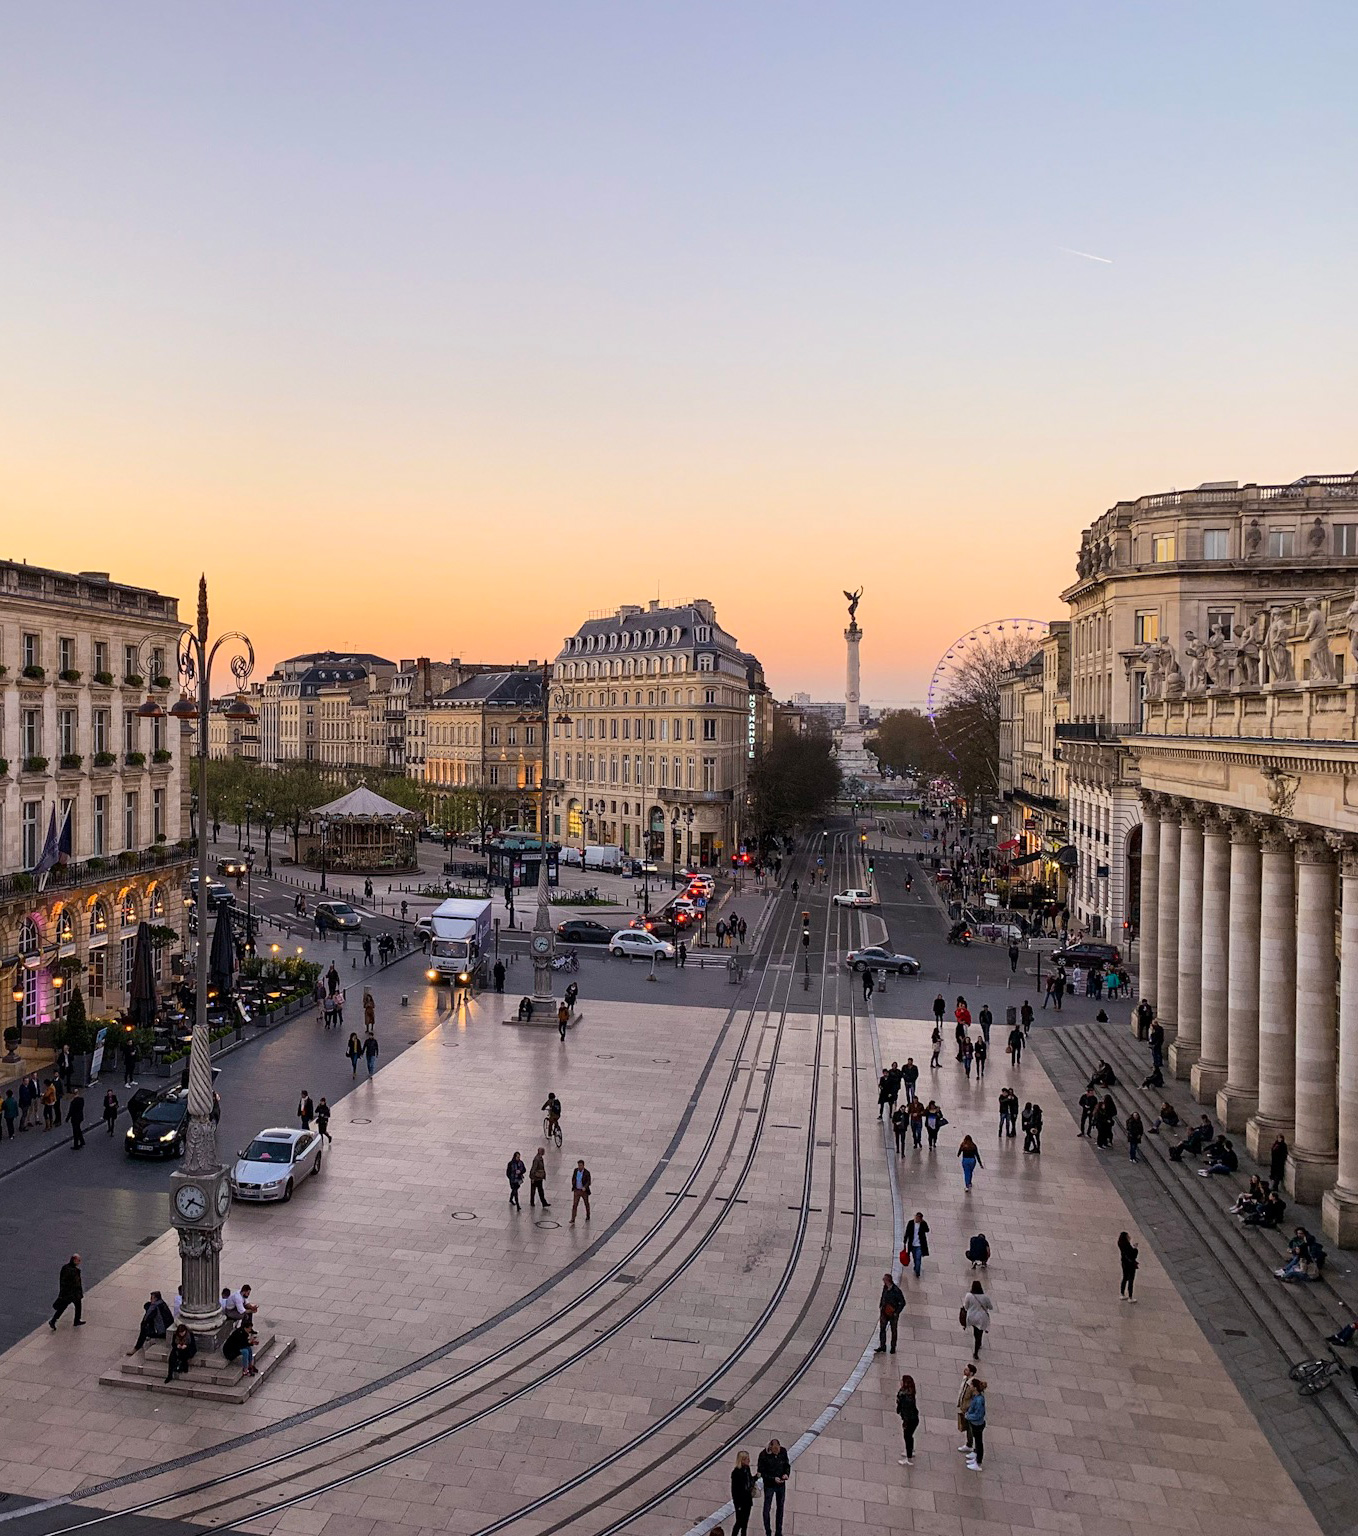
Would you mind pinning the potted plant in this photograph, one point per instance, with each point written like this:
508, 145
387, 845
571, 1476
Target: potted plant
160, 681
105, 759
71, 759
135, 759
4, 766
34, 672
69, 675
133, 680
75, 1031
104, 679
35, 764
161, 755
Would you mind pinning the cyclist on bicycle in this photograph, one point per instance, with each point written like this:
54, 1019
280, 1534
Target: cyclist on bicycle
553, 1107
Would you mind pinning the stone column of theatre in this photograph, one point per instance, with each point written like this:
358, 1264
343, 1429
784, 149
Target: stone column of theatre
1150, 889
1315, 1153
1189, 1036
1339, 1209
1167, 939
1238, 1098
1209, 1071
1277, 994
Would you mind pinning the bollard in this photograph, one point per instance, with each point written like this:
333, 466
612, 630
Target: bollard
405, 999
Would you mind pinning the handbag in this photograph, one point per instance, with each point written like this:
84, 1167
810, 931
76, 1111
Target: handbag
962, 1317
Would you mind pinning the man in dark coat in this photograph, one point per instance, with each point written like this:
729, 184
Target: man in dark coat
916, 1247
70, 1292
75, 1115
890, 1307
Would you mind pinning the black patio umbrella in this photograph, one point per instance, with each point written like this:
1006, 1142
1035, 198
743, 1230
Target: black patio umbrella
222, 961
141, 989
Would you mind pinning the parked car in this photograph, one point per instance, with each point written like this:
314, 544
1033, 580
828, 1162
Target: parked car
855, 899
583, 930
1087, 953
629, 943
269, 1168
878, 957
337, 915
160, 1129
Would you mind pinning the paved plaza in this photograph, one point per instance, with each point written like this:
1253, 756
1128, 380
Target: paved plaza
733, 1256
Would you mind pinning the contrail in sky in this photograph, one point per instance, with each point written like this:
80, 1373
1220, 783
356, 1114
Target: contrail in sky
1106, 260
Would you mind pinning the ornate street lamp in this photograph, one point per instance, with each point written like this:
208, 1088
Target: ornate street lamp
200, 1194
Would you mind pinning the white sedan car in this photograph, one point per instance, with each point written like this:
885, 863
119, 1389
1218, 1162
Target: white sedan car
855, 899
275, 1160
629, 942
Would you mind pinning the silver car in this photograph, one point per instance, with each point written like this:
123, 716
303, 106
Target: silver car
270, 1167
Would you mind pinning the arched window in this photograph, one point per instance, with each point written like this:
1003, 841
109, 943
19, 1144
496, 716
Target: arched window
98, 919
65, 927
30, 940
157, 905
129, 911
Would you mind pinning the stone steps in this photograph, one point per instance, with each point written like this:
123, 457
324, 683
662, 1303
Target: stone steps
1293, 1319
210, 1378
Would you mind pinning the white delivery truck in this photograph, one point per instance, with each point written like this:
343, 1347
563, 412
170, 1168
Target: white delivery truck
460, 937
604, 856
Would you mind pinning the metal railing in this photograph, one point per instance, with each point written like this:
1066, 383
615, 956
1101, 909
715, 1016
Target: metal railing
1095, 730
91, 871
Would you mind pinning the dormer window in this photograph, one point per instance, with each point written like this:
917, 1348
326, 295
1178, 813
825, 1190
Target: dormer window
650, 637
702, 633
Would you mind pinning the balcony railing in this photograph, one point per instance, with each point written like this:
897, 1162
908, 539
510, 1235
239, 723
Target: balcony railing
1095, 730
695, 796
91, 871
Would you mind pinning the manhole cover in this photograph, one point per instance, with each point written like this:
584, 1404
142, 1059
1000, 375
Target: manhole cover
661, 1061
602, 1056
464, 1215
713, 1404
546, 1223
360, 1121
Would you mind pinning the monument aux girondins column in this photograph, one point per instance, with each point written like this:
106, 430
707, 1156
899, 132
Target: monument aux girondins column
854, 762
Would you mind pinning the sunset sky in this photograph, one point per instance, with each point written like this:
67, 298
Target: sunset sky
431, 328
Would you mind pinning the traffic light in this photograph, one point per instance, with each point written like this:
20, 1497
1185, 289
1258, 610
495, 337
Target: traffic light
862, 839
806, 930
869, 863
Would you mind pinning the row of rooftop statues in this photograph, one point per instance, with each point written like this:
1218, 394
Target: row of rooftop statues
1246, 655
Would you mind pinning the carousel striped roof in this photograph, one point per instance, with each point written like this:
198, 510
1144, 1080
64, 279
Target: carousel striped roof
362, 804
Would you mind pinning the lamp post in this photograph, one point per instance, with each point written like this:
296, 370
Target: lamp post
325, 833
200, 1194
249, 901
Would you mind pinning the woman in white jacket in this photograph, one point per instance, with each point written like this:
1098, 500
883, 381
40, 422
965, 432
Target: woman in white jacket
976, 1310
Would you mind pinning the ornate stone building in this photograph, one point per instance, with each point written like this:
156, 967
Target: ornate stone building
88, 673
1197, 565
657, 715
1249, 890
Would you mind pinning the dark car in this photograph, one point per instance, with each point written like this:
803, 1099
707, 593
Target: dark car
662, 927
159, 1130
217, 894
878, 958
233, 868
584, 930
1085, 953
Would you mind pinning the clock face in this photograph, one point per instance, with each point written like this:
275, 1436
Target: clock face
190, 1202
223, 1200
541, 943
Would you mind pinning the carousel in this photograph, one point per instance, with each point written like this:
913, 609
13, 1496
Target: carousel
361, 833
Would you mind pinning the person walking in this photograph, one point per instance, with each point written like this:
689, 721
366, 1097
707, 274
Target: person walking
580, 1183
1089, 1102
1277, 1161
9, 1107
890, 1305
976, 1423
936, 1040
934, 1122
306, 1110
869, 983
907, 1411
909, 1077
742, 1493
370, 1053
498, 972
514, 1172
900, 1125
1013, 956
979, 1053
369, 1012
26, 1098
975, 1314
1157, 1040
323, 1120
70, 1292
1026, 1017
354, 1051
965, 1394
968, 1056
571, 993
1015, 1045
75, 1118
563, 1017
111, 1110
971, 1160
916, 1247
1129, 1257
940, 1008
49, 1105
916, 1123
1135, 1131
537, 1181
883, 1093
774, 1470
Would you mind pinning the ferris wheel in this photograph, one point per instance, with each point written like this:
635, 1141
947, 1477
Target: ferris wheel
974, 661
